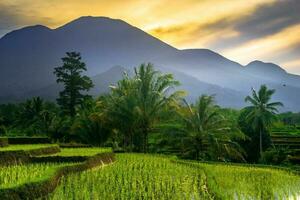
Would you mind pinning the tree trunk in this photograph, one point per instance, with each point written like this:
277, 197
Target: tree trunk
260, 144
145, 141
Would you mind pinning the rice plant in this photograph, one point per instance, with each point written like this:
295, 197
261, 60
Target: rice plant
17, 147
135, 176
250, 182
12, 176
82, 151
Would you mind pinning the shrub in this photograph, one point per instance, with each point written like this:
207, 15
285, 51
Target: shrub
3, 142
28, 140
275, 156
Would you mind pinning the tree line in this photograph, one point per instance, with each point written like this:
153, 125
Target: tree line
144, 112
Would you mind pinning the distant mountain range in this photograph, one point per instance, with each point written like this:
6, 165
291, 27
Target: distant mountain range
109, 46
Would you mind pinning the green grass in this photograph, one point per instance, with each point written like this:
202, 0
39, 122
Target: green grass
13, 176
138, 176
91, 151
242, 182
25, 147
135, 176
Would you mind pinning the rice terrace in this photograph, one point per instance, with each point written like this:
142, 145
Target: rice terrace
149, 100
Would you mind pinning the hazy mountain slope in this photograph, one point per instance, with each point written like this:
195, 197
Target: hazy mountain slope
101, 85
29, 55
273, 73
225, 97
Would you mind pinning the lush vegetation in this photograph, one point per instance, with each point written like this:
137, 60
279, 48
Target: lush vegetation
249, 182
15, 175
17, 147
82, 151
137, 176
145, 112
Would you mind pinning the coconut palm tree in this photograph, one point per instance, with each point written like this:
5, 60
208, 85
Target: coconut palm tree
137, 102
154, 93
262, 112
209, 130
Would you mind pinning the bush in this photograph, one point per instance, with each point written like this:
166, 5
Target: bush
13, 157
3, 142
21, 156
28, 140
275, 156
74, 145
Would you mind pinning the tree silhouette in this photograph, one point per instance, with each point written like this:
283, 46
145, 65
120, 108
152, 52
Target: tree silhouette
70, 75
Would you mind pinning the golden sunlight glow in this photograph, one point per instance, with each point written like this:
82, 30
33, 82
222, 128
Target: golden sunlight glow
181, 23
266, 48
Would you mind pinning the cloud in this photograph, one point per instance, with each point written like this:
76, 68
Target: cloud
266, 20
269, 19
243, 31
278, 48
293, 66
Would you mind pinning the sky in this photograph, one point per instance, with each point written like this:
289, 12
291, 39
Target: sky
241, 30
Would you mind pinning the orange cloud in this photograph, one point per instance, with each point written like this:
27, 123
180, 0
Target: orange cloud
181, 23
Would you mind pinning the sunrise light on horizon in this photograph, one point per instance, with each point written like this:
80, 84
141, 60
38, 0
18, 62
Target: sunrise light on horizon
242, 31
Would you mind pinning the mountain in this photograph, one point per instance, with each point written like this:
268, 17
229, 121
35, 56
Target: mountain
29, 55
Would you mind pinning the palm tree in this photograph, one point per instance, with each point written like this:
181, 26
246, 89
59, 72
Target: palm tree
89, 124
154, 93
262, 112
205, 124
139, 101
121, 108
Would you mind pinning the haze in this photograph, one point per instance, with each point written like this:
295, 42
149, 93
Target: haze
242, 31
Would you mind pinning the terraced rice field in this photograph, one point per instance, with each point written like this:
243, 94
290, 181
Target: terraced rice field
239, 182
12, 176
82, 151
135, 176
138, 176
141, 176
17, 147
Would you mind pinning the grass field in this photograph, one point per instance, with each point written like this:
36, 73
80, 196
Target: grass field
82, 151
135, 176
138, 176
25, 147
12, 176
229, 182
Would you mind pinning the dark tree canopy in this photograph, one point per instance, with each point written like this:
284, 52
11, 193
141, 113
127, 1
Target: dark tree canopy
70, 75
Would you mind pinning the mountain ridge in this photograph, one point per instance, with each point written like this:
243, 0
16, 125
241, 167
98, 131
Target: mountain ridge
29, 55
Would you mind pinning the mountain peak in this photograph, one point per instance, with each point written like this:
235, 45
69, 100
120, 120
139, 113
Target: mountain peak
265, 66
88, 21
31, 30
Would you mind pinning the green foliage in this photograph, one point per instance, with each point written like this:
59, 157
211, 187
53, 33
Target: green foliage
89, 125
289, 118
276, 156
261, 112
42, 187
70, 75
136, 104
249, 182
209, 134
15, 175
25, 147
135, 176
82, 151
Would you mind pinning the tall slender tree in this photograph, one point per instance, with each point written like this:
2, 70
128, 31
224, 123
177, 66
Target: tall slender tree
262, 112
70, 74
